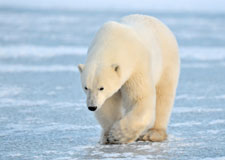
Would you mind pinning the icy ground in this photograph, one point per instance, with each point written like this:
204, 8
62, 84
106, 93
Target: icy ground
42, 107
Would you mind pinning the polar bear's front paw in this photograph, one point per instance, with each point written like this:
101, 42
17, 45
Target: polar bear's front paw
154, 135
117, 135
104, 140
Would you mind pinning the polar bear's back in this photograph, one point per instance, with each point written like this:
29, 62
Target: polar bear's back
151, 30
159, 39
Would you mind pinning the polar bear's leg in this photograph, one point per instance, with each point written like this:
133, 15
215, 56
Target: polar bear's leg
108, 114
165, 93
139, 102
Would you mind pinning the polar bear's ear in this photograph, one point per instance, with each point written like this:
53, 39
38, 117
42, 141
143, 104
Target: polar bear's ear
81, 67
116, 68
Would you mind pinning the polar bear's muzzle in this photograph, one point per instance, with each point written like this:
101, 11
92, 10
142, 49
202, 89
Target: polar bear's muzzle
94, 100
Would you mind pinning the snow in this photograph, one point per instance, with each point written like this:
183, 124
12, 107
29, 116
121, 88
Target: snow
218, 121
39, 68
40, 51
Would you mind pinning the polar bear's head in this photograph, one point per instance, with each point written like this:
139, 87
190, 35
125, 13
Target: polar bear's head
99, 83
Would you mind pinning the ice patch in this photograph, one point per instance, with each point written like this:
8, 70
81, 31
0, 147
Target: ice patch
196, 65
191, 97
65, 158
41, 68
15, 154
220, 97
13, 103
10, 102
76, 106
185, 96
186, 124
214, 158
51, 152
218, 121
196, 109
2, 119
64, 127
40, 51
210, 131
59, 88
10, 91
51, 93
213, 131
203, 54
29, 127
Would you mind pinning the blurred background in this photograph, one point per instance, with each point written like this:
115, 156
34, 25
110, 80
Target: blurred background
160, 5
43, 114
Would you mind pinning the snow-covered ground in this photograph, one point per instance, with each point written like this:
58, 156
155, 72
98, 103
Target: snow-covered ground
42, 107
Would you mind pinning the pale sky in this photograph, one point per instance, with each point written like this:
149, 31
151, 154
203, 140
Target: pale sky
168, 5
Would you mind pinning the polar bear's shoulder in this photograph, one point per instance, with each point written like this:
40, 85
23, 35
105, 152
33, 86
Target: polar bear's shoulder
114, 30
112, 26
137, 19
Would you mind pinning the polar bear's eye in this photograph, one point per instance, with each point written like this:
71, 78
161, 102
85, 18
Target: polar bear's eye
85, 88
101, 89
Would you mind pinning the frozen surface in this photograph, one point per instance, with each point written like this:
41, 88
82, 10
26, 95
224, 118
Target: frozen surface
42, 107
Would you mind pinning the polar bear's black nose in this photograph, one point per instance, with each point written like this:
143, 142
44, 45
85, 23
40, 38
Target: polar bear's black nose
92, 108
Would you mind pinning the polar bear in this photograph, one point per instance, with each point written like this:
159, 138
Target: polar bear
130, 79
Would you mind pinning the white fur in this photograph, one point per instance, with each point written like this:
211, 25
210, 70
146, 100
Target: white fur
136, 61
